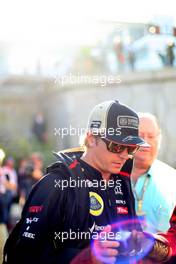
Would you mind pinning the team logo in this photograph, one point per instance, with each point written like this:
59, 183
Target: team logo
95, 124
118, 187
120, 202
35, 209
96, 228
122, 210
30, 220
29, 235
96, 204
127, 122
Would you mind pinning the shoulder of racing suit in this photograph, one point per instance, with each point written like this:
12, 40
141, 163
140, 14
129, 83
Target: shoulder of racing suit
49, 205
47, 208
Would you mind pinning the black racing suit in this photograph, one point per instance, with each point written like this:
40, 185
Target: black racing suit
55, 217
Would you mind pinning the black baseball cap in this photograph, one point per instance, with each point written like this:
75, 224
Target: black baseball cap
116, 122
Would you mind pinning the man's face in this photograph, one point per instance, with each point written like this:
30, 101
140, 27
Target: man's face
149, 131
106, 161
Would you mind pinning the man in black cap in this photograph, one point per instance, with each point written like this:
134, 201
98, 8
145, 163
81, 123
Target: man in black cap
83, 193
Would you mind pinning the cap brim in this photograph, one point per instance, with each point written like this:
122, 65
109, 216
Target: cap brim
130, 140
135, 141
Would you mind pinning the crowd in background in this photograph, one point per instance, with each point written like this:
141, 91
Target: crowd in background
15, 184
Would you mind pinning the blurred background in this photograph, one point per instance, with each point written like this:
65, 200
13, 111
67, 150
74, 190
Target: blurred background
59, 58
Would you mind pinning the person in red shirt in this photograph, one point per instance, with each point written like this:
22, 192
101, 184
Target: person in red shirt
170, 236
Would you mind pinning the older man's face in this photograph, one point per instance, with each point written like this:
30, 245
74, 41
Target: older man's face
149, 131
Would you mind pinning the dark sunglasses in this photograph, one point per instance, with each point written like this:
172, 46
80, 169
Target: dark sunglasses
117, 148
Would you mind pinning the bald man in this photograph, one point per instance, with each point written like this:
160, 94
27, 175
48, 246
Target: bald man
153, 180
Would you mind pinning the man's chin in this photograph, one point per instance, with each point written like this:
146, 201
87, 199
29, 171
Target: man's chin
115, 169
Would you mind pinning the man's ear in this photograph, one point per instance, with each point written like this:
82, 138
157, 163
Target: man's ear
92, 140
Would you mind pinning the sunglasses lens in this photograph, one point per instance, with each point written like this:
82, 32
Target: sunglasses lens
116, 148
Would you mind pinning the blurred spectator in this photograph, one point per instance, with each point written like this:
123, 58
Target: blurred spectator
163, 58
3, 228
3, 238
119, 51
170, 54
30, 171
8, 190
37, 161
8, 187
131, 59
39, 128
153, 181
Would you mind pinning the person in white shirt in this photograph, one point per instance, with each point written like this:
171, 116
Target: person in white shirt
153, 180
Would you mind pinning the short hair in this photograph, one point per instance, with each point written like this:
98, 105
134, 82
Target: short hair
84, 142
155, 120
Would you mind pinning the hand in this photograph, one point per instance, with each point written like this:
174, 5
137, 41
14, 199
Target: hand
152, 246
104, 250
120, 247
139, 244
126, 245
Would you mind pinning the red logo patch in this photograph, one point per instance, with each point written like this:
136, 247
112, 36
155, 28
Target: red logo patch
35, 209
123, 173
122, 210
73, 164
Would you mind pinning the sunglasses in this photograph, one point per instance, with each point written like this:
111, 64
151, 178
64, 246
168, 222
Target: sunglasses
117, 148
